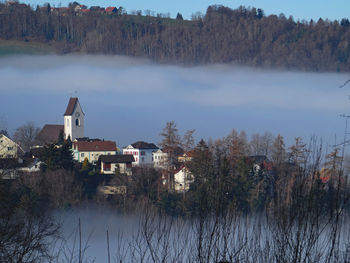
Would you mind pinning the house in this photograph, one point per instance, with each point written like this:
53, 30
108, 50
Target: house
112, 164
31, 166
161, 157
182, 179
111, 10
97, 9
74, 120
49, 134
8, 148
8, 168
260, 162
92, 149
142, 152
12, 168
78, 8
186, 157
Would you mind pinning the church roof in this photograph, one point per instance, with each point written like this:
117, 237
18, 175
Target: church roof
71, 106
49, 134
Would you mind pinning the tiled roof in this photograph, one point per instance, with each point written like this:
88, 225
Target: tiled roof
119, 158
94, 146
111, 9
71, 106
144, 145
49, 134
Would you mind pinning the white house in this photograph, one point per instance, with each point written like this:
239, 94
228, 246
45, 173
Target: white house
182, 179
8, 148
92, 149
74, 120
160, 159
32, 166
142, 152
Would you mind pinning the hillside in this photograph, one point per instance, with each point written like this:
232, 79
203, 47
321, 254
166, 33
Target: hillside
244, 36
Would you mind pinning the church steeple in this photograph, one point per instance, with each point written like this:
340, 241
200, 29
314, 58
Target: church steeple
74, 120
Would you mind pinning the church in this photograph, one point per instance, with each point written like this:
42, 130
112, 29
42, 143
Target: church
74, 120
73, 126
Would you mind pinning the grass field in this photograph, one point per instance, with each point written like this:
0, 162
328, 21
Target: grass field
13, 47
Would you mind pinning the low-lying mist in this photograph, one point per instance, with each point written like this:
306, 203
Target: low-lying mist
127, 99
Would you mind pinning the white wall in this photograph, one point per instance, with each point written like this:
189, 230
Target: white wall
70, 127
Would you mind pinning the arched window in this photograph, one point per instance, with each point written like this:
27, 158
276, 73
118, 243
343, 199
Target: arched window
77, 122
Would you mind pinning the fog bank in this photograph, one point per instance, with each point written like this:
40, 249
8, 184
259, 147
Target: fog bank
128, 99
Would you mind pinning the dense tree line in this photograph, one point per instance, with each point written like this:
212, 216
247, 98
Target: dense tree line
244, 36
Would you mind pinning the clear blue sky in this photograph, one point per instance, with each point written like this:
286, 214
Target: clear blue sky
299, 9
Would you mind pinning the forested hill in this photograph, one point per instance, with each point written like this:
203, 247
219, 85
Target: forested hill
243, 36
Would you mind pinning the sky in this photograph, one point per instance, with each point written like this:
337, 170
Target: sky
299, 9
128, 99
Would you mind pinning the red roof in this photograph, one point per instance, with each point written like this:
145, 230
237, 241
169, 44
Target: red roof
190, 153
95, 146
71, 106
111, 9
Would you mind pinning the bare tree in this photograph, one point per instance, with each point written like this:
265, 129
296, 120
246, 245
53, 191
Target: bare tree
27, 231
25, 135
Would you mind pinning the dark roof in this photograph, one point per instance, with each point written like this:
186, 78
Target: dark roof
119, 158
87, 139
49, 134
37, 152
95, 146
144, 145
177, 151
71, 106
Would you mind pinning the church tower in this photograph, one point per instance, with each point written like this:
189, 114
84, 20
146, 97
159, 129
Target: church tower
74, 120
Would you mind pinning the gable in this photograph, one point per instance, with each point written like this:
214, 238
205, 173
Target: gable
73, 105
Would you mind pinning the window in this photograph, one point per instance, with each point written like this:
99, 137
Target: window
77, 122
107, 166
142, 153
143, 159
67, 123
10, 148
82, 154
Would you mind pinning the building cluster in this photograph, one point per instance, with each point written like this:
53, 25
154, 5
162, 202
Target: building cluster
74, 7
104, 154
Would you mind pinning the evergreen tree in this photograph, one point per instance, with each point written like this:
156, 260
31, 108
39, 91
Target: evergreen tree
60, 139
